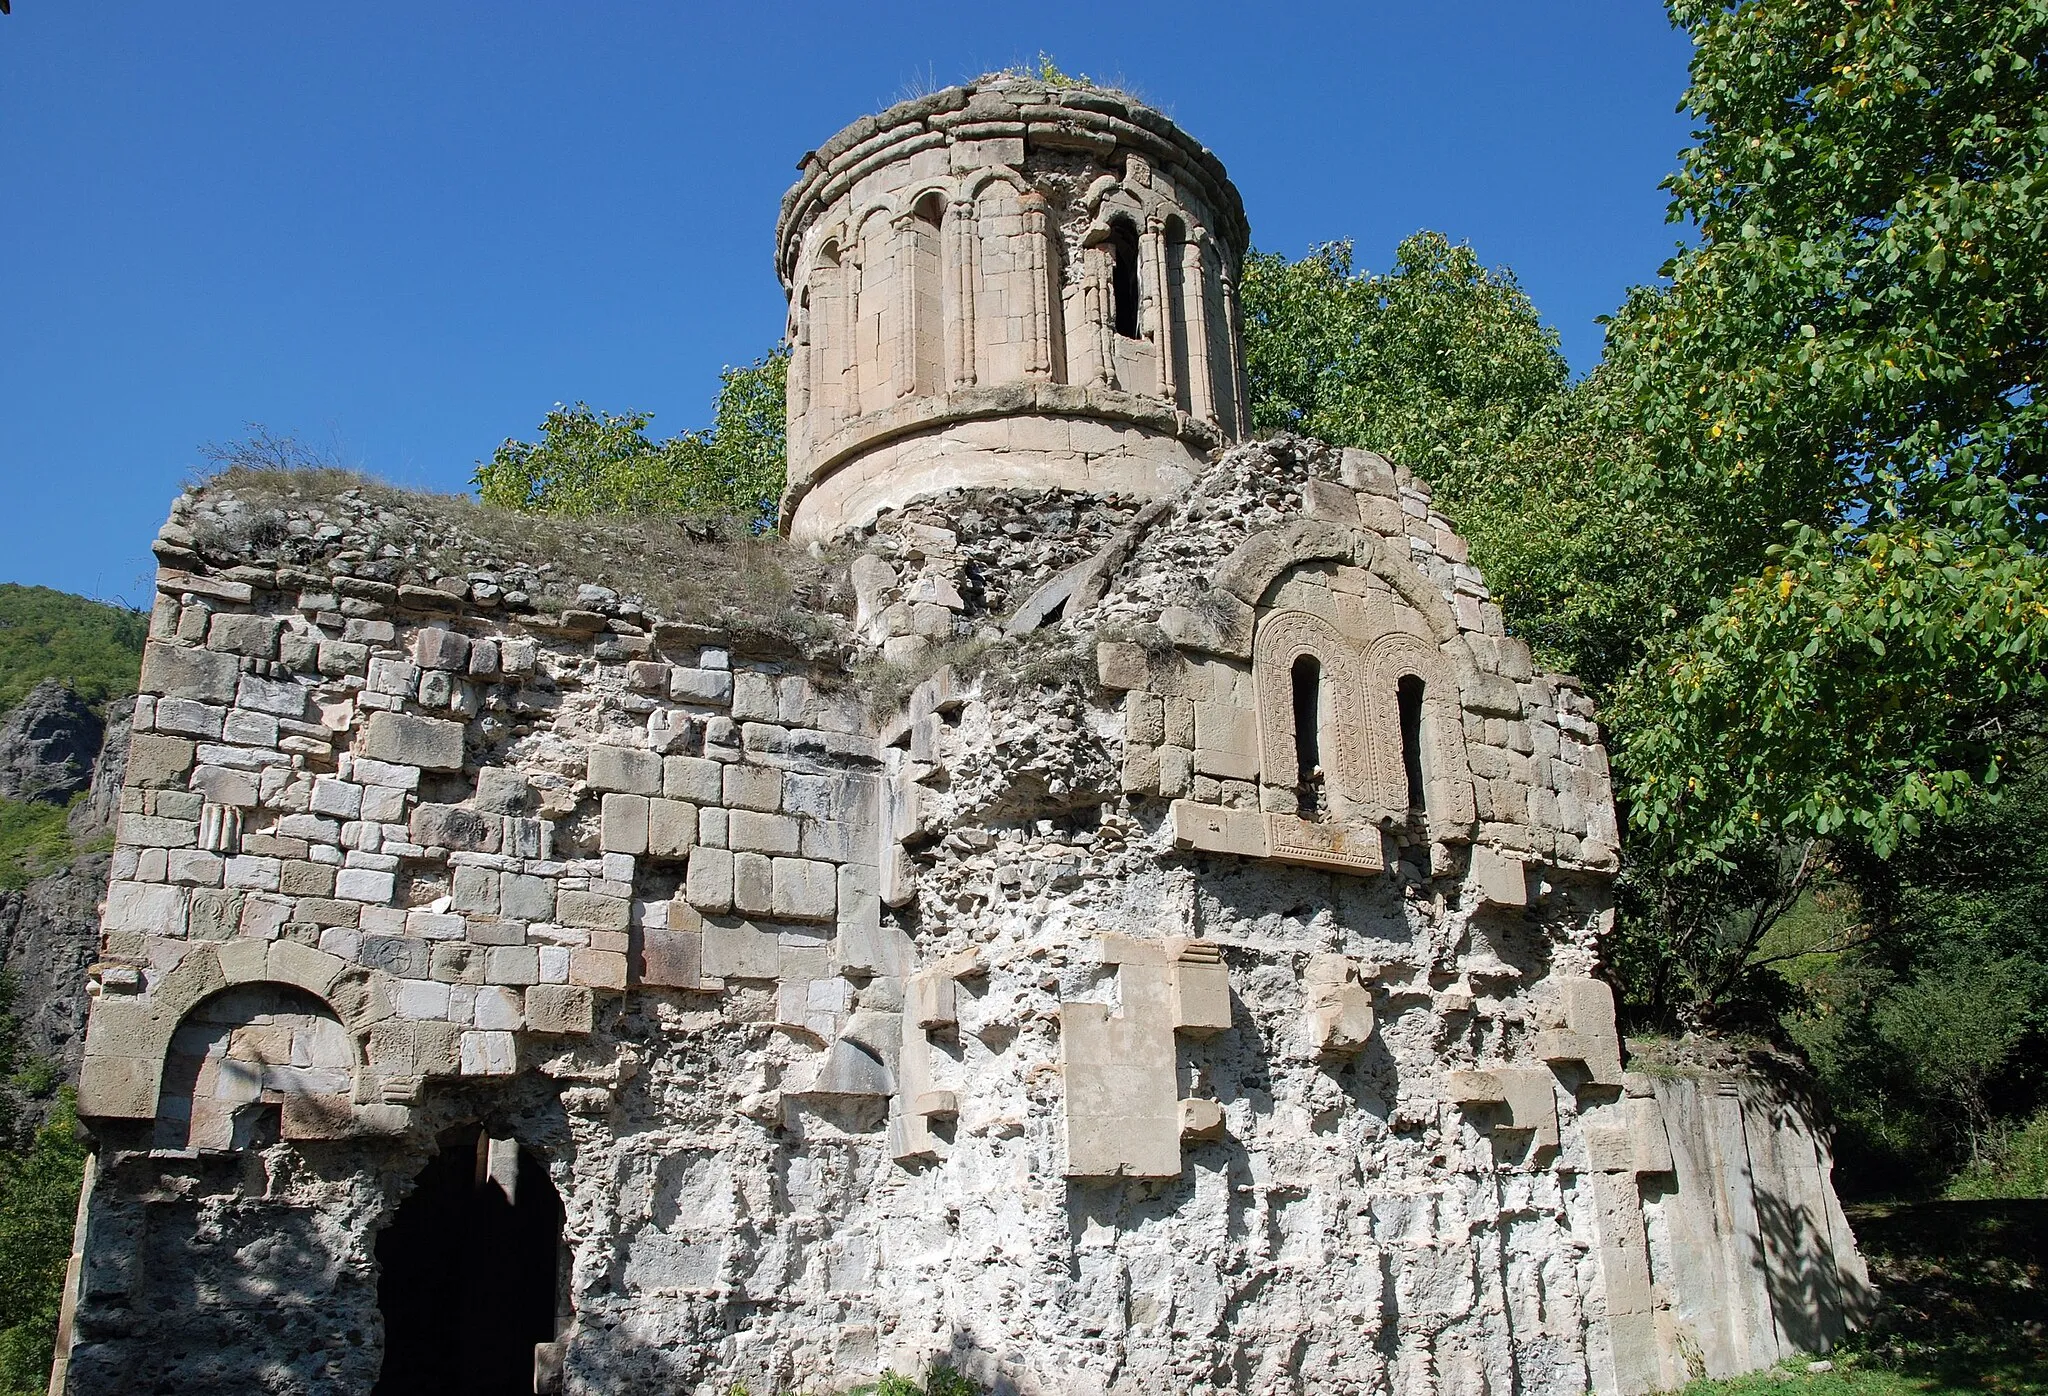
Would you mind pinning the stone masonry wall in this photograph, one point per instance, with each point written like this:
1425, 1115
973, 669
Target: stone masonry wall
1054, 1017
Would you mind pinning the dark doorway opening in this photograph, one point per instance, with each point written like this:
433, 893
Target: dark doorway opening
468, 1273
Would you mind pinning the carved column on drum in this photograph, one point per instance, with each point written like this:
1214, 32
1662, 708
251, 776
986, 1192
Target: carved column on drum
907, 289
1233, 375
800, 369
1159, 305
962, 277
1195, 296
1095, 308
1038, 289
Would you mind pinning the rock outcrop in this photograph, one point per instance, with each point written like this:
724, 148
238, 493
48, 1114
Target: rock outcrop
48, 745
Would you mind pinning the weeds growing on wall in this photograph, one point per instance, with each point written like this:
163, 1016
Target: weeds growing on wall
708, 570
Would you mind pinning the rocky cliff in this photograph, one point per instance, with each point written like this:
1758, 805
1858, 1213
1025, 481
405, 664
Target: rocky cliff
54, 748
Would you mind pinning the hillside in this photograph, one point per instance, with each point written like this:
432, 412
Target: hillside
94, 648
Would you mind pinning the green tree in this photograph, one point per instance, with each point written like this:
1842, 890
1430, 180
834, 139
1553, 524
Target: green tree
1842, 376
591, 462
38, 1202
1438, 363
94, 647
41, 1168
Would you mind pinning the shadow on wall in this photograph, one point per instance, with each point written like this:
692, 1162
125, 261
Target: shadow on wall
1751, 1254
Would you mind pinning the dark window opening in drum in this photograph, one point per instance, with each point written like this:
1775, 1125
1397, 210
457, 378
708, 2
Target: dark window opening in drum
1123, 277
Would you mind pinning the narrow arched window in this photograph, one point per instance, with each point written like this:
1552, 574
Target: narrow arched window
1123, 277
1410, 691
923, 353
1308, 755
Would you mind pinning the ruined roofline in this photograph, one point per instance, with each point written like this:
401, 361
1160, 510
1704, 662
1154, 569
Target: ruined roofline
427, 553
1083, 118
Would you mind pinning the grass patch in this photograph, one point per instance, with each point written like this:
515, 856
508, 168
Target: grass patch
1847, 1379
34, 841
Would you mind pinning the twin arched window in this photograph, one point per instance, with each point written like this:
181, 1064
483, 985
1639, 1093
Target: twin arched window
1311, 794
1349, 731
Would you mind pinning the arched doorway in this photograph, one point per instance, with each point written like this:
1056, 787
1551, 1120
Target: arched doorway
469, 1272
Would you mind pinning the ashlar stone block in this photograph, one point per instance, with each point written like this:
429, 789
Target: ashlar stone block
753, 884
560, 1009
457, 827
255, 636
438, 648
489, 1054
1201, 990
753, 788
708, 882
1122, 1096
527, 898
1578, 1026
1531, 1096
201, 675
751, 831
740, 950
1340, 1013
670, 959
692, 778
593, 910
430, 743
1499, 878
671, 828
598, 969
1213, 829
803, 890
708, 686
624, 824
627, 770
155, 762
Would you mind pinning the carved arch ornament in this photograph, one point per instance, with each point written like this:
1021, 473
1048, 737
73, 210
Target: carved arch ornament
1282, 638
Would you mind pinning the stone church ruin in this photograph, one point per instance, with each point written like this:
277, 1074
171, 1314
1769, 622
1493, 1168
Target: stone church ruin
1127, 923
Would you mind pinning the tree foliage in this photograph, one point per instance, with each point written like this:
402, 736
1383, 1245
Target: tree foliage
1842, 376
1789, 531
1438, 363
41, 1168
593, 462
94, 647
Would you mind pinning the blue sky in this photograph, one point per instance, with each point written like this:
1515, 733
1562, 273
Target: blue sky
403, 231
